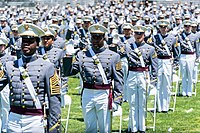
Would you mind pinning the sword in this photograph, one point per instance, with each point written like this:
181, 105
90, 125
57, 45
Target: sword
45, 118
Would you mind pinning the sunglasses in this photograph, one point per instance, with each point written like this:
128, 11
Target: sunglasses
14, 31
28, 40
97, 36
139, 33
46, 38
86, 22
186, 25
163, 26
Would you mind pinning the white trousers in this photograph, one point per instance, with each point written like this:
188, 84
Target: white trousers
187, 67
164, 84
136, 86
25, 123
195, 72
95, 110
125, 71
4, 108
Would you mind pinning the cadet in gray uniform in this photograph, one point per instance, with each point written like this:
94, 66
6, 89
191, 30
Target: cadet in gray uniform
127, 30
197, 33
29, 79
4, 28
4, 95
188, 56
98, 66
58, 41
141, 58
166, 46
53, 55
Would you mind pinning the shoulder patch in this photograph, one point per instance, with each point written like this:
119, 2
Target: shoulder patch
55, 84
1, 74
122, 49
119, 66
154, 55
177, 43
149, 40
73, 59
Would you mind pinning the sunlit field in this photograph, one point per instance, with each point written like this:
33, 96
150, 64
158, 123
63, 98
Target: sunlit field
185, 118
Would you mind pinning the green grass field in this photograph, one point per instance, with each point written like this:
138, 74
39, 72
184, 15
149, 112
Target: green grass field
180, 121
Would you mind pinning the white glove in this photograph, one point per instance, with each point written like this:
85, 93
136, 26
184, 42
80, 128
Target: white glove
115, 106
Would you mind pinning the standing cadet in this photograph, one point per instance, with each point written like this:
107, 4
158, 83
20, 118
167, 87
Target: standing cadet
141, 58
4, 28
98, 66
4, 95
15, 42
166, 46
188, 56
127, 30
53, 55
194, 30
58, 41
29, 79
87, 21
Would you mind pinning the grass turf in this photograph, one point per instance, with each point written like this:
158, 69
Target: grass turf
182, 120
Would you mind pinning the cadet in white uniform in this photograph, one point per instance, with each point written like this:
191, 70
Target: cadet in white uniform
141, 58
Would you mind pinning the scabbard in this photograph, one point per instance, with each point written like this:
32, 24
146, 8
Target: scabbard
110, 99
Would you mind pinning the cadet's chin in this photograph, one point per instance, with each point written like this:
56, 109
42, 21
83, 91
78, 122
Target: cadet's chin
28, 52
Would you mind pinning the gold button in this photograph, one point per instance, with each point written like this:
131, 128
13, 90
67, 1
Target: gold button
38, 88
11, 94
23, 100
38, 81
23, 106
12, 100
23, 94
11, 81
11, 87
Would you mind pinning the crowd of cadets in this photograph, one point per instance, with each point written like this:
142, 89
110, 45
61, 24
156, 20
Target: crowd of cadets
135, 44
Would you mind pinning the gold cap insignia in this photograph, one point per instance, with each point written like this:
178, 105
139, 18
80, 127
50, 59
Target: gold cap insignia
96, 27
45, 29
26, 27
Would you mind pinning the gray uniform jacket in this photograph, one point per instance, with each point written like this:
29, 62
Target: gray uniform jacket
90, 73
172, 43
149, 56
59, 43
5, 58
45, 81
55, 56
185, 49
